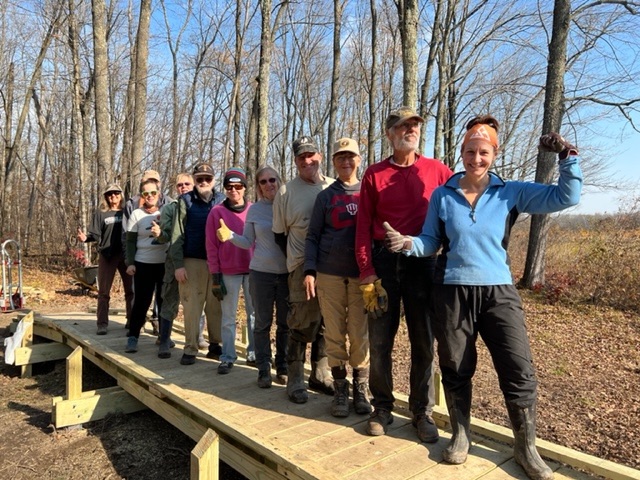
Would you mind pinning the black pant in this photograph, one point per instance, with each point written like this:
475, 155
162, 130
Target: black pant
462, 312
406, 279
148, 277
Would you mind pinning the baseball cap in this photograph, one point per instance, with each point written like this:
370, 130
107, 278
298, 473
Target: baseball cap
304, 144
202, 169
112, 187
150, 175
401, 115
345, 144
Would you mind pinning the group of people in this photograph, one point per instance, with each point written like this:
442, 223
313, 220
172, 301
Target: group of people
335, 261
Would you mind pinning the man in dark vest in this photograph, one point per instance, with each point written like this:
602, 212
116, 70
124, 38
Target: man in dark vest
189, 255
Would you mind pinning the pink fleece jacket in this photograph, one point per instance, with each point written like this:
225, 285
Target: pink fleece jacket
226, 257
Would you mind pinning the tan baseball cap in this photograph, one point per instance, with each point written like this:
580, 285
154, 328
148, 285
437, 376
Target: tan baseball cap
150, 175
345, 144
401, 115
112, 187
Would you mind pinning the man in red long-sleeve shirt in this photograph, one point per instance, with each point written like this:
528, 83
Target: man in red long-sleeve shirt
397, 190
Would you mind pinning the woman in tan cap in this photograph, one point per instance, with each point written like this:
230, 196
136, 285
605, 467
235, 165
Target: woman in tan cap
106, 231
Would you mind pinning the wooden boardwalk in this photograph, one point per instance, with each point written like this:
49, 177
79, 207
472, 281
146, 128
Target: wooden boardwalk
261, 433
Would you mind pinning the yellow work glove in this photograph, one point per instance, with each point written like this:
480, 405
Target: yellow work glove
375, 298
224, 233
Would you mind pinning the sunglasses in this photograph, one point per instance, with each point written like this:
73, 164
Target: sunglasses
204, 179
151, 193
265, 180
112, 194
228, 188
185, 184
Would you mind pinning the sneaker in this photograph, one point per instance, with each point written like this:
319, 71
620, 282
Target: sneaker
264, 379
224, 368
215, 350
202, 344
187, 359
281, 376
378, 421
251, 359
132, 345
427, 430
102, 330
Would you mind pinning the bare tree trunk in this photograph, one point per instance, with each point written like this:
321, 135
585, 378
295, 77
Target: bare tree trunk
8, 131
408, 22
434, 44
534, 271
338, 8
373, 85
264, 69
142, 55
101, 75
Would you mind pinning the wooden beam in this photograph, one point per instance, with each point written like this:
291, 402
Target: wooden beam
41, 352
74, 374
27, 341
205, 457
93, 405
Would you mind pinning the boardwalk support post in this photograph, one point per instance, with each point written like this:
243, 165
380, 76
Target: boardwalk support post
205, 457
78, 407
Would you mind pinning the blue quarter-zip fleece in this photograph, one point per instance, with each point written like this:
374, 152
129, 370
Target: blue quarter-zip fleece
475, 241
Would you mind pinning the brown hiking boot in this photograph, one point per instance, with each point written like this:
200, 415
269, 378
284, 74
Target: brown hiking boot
378, 421
427, 430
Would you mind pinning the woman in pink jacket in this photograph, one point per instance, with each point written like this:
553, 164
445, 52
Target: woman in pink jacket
229, 266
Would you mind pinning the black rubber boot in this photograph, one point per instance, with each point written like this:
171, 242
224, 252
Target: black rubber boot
361, 404
459, 406
164, 349
296, 389
523, 421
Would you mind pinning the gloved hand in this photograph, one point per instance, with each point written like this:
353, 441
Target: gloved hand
375, 298
553, 142
217, 286
394, 241
224, 233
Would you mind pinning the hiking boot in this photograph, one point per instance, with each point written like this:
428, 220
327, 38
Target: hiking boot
427, 430
132, 345
281, 376
378, 421
215, 350
102, 330
224, 368
187, 359
361, 404
340, 403
264, 379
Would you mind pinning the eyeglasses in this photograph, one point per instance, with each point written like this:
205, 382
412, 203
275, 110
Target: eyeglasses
228, 188
185, 184
265, 180
204, 179
151, 193
112, 194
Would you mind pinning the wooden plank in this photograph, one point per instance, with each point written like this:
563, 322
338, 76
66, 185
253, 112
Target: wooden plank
93, 405
27, 341
74, 374
41, 352
205, 457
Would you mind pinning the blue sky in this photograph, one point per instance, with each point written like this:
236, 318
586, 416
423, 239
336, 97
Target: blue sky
625, 166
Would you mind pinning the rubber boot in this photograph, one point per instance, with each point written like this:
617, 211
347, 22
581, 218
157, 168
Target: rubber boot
340, 403
361, 404
296, 389
523, 421
321, 379
459, 406
164, 349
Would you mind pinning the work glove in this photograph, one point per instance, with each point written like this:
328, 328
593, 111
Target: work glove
224, 233
394, 241
553, 142
375, 298
217, 286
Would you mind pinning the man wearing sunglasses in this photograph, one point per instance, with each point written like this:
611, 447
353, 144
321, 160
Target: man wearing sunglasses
189, 255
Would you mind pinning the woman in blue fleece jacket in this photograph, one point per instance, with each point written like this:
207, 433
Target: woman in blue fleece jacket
471, 217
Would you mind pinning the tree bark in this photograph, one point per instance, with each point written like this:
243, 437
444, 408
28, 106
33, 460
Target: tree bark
142, 56
101, 75
408, 26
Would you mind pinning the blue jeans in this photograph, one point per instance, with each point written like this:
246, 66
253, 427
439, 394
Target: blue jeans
406, 279
267, 290
229, 305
